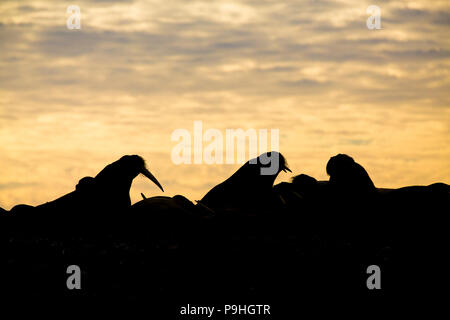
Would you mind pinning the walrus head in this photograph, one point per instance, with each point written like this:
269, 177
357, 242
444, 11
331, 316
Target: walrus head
270, 163
123, 171
135, 165
348, 174
340, 165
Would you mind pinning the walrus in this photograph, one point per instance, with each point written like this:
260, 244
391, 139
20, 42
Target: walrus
348, 176
109, 190
248, 187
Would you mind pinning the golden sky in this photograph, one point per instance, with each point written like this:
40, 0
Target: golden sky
72, 101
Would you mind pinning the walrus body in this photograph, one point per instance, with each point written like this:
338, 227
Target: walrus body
248, 187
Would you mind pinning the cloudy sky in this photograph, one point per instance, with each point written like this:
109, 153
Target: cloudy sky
72, 101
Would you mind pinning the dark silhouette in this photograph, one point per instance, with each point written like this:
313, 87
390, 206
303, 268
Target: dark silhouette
307, 240
347, 176
161, 203
95, 203
109, 190
247, 187
302, 188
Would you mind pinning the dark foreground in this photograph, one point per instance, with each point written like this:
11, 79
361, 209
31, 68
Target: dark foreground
165, 253
321, 252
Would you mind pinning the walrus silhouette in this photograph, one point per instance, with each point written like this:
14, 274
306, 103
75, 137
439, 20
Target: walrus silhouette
114, 181
247, 187
348, 176
110, 189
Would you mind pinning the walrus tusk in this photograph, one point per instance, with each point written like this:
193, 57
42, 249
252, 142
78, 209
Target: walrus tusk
297, 195
207, 209
147, 173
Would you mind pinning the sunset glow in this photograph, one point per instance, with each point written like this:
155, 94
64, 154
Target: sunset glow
72, 101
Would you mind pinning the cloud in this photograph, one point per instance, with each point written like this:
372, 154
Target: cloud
137, 70
15, 185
